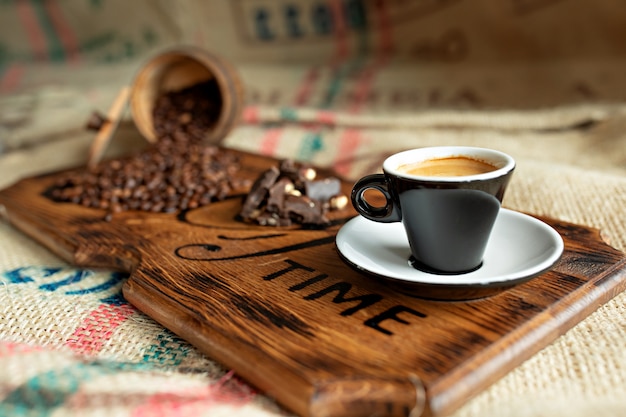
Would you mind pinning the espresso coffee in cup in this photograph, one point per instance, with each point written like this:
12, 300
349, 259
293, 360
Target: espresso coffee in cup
447, 167
447, 198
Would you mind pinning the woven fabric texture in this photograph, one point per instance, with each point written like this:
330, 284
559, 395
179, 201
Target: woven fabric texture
341, 84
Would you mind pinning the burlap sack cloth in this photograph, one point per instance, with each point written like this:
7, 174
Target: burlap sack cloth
340, 84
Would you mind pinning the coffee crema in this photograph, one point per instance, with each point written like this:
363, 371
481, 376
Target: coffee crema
452, 166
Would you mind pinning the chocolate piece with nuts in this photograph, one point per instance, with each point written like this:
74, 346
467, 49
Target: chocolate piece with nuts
297, 173
303, 210
290, 195
277, 194
259, 191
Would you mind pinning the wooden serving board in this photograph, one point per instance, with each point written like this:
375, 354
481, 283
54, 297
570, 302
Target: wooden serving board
280, 307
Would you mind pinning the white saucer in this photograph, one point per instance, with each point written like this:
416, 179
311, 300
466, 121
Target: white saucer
520, 248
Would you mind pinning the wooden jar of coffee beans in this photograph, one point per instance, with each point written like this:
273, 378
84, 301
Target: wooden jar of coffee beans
184, 101
208, 100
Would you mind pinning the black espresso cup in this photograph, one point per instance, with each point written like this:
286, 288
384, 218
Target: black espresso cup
447, 197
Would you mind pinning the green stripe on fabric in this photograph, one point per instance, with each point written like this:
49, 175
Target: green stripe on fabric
56, 50
356, 16
334, 86
357, 21
5, 58
166, 350
43, 394
288, 114
344, 72
311, 145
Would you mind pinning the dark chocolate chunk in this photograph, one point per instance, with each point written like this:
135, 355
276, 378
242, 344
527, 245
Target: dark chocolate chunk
305, 211
277, 192
259, 191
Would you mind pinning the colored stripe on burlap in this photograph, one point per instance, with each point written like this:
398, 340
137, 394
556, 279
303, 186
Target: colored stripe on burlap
73, 278
250, 114
270, 141
45, 393
36, 36
25, 274
337, 65
368, 74
303, 94
10, 349
341, 30
98, 327
55, 50
50, 36
311, 144
166, 350
116, 279
101, 323
351, 139
188, 403
10, 77
42, 394
326, 117
63, 31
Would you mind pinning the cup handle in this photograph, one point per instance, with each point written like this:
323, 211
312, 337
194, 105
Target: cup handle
385, 214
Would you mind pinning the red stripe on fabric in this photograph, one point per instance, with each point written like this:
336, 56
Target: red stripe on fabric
34, 33
349, 141
326, 117
341, 31
270, 141
12, 77
250, 114
383, 23
362, 89
194, 401
98, 327
64, 31
383, 51
12, 349
306, 87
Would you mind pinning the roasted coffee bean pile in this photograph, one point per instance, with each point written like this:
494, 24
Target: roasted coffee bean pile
187, 113
289, 193
179, 172
171, 176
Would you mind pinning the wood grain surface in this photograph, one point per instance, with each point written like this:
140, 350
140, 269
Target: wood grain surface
280, 307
